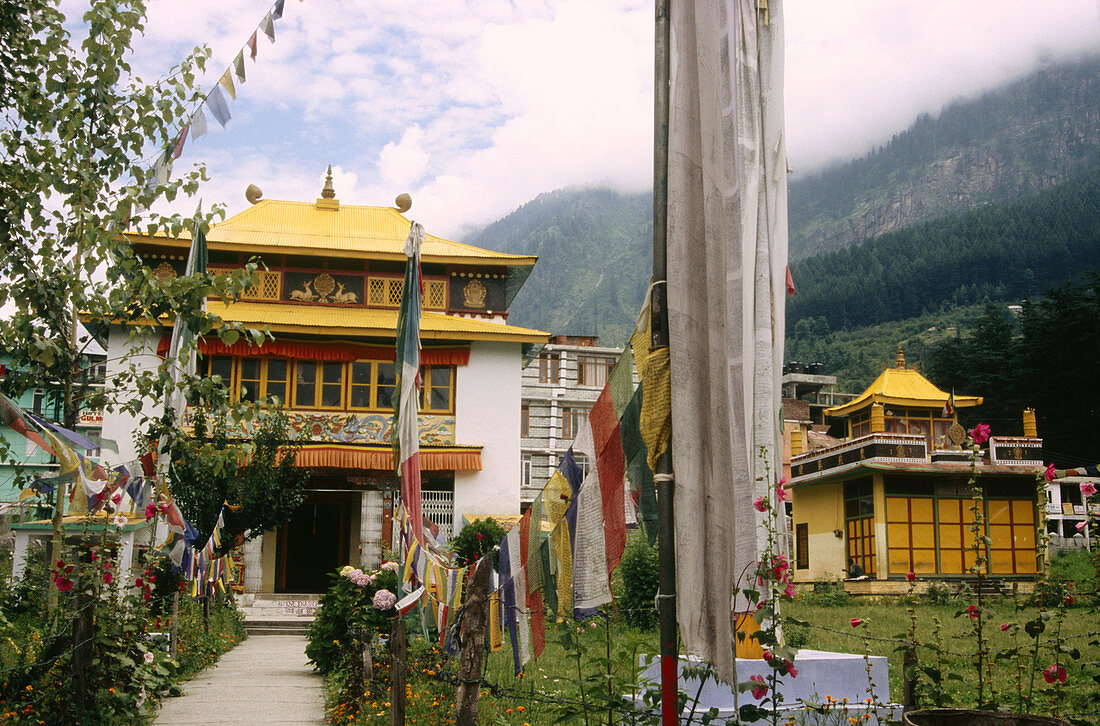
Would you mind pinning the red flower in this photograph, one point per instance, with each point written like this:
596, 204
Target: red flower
150, 511
1049, 473
760, 504
1004, 627
767, 656
856, 622
1069, 600
911, 576
108, 578
1087, 488
973, 611
138, 582
64, 585
1054, 673
980, 433
479, 535
117, 499
780, 493
760, 690
791, 670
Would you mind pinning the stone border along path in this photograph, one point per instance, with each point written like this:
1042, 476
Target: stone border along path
264, 680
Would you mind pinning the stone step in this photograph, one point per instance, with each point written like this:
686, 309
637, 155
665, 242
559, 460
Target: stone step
274, 627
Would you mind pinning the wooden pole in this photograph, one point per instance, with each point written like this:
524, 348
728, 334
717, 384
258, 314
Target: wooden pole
670, 712
398, 653
173, 642
474, 622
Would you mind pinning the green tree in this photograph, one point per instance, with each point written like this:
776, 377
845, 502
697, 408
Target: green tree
79, 135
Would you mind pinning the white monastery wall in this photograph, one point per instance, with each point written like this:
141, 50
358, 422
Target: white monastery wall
119, 426
487, 401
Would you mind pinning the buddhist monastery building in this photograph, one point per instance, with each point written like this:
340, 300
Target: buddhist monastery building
330, 294
894, 496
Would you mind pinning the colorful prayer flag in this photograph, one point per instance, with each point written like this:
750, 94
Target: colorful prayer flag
268, 27
198, 123
238, 66
251, 43
226, 82
218, 107
406, 438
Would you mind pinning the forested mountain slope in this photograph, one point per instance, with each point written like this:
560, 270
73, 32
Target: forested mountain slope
1019, 139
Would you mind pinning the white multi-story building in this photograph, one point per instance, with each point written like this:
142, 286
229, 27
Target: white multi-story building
329, 293
560, 387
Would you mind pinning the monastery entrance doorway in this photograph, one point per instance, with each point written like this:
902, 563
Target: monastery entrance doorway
315, 542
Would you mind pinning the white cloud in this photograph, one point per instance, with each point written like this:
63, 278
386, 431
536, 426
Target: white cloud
477, 107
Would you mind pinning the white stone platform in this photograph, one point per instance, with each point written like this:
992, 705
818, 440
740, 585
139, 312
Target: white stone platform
821, 675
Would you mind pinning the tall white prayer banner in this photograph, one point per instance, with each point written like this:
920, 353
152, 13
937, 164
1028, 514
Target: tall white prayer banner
727, 255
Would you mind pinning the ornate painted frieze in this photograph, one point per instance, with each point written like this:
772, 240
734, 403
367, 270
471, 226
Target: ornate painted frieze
341, 427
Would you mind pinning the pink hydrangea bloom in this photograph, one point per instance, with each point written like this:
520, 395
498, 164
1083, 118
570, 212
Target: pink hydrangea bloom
384, 600
360, 578
389, 566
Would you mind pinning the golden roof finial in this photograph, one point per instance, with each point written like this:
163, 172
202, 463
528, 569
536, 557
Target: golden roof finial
328, 192
900, 363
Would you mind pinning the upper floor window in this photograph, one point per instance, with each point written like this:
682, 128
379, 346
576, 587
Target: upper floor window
524, 420
526, 471
571, 420
319, 385
549, 368
592, 370
362, 385
437, 392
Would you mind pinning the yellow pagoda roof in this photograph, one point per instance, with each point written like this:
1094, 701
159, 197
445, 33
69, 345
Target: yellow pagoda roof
321, 320
341, 230
901, 386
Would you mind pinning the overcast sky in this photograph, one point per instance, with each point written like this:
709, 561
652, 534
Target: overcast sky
477, 107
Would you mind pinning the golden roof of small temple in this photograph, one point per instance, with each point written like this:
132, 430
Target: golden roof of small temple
902, 386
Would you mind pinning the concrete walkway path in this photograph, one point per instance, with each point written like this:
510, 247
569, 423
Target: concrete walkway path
264, 680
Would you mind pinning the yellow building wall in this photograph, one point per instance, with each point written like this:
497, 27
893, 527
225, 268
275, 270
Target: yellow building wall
269, 546
821, 508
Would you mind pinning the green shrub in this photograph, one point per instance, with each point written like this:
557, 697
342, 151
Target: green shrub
796, 635
475, 539
937, 594
828, 593
639, 568
347, 607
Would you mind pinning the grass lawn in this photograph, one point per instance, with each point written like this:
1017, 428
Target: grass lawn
549, 689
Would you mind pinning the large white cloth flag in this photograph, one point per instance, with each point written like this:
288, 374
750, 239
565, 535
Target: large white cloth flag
406, 437
727, 252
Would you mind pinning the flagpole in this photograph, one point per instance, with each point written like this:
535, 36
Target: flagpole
660, 339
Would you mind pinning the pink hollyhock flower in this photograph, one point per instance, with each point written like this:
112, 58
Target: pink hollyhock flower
150, 511
108, 578
1054, 673
781, 492
760, 690
856, 622
1069, 600
139, 582
117, 499
980, 433
148, 657
789, 590
1087, 488
1081, 525
767, 656
791, 670
911, 576
162, 507
384, 600
1049, 473
760, 504
972, 610
1004, 627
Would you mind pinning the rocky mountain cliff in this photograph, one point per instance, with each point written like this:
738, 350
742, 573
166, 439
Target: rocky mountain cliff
1017, 140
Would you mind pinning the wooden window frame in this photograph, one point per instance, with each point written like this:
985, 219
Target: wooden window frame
525, 420
319, 383
372, 385
802, 546
550, 368
594, 362
427, 387
567, 429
